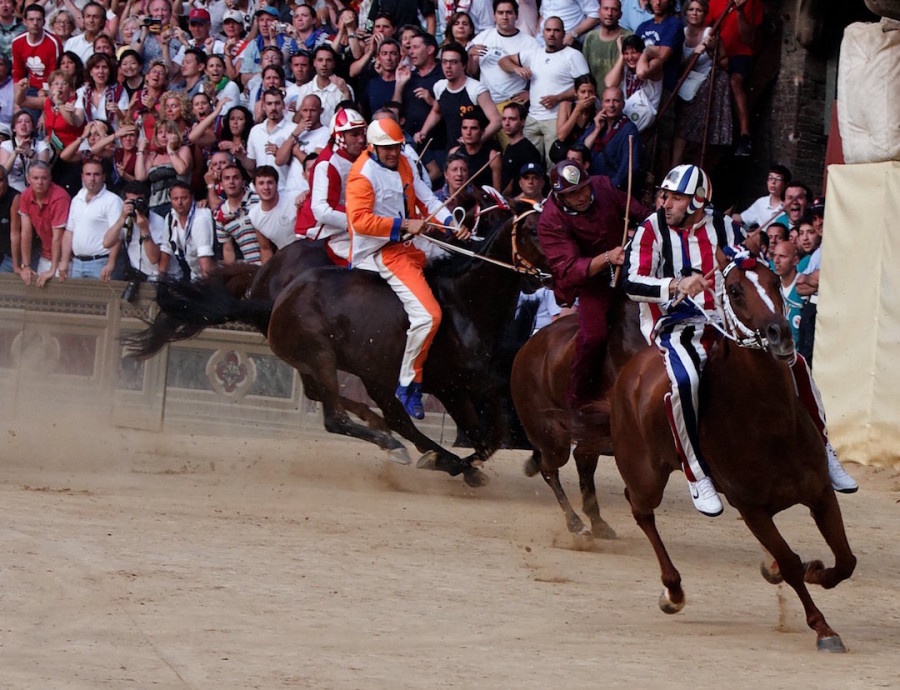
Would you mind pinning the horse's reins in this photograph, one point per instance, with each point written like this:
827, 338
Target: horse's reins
752, 339
520, 265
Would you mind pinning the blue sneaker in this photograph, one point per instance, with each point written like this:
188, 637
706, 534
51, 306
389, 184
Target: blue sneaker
411, 397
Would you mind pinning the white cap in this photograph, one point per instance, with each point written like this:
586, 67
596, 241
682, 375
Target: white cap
235, 15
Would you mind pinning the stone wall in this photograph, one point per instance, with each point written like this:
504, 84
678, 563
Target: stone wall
61, 353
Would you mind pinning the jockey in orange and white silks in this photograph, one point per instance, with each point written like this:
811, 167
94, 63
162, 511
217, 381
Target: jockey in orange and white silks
674, 252
385, 204
323, 214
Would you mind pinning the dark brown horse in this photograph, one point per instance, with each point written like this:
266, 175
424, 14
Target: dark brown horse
328, 319
763, 450
538, 383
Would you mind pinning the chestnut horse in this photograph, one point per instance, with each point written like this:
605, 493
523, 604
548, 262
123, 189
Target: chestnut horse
763, 450
540, 376
328, 319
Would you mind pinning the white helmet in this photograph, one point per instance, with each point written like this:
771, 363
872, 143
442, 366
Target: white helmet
384, 132
345, 119
690, 180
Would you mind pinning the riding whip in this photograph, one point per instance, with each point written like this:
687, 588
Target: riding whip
615, 277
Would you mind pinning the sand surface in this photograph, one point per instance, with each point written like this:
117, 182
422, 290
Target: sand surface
138, 560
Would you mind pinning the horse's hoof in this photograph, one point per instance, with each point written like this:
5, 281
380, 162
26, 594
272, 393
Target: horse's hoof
399, 455
812, 572
603, 531
830, 644
666, 604
475, 477
531, 467
428, 461
771, 572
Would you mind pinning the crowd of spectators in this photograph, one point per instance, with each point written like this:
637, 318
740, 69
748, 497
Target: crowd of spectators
148, 136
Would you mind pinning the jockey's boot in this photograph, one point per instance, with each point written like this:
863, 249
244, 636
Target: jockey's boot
411, 397
705, 497
840, 480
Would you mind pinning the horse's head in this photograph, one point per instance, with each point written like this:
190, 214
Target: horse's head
753, 305
503, 229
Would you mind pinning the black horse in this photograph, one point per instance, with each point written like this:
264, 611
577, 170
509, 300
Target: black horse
328, 319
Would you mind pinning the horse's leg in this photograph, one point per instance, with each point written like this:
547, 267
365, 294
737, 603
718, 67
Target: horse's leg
793, 571
586, 461
573, 522
361, 410
336, 419
533, 464
672, 599
434, 456
462, 409
827, 514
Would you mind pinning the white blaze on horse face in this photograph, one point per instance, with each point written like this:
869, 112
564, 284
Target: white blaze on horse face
763, 295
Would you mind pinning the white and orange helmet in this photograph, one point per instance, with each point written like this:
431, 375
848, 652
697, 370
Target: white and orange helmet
384, 132
343, 120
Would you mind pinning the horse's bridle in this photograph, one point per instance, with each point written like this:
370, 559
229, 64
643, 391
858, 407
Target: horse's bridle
520, 263
748, 337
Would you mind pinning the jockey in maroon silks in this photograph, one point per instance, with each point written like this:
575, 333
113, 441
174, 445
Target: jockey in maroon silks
580, 231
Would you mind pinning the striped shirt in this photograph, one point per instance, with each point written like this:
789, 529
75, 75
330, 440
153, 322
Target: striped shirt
658, 253
234, 224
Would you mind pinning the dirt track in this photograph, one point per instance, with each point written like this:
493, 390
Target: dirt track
135, 560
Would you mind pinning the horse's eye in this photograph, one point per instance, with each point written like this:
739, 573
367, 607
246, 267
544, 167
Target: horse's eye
735, 292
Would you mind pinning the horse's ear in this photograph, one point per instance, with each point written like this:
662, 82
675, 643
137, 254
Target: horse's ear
721, 259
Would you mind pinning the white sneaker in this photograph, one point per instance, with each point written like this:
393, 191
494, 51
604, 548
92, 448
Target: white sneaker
840, 480
705, 498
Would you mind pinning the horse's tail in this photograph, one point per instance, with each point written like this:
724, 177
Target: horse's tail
185, 309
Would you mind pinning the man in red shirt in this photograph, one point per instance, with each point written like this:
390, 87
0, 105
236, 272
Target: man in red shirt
43, 209
580, 230
35, 53
737, 35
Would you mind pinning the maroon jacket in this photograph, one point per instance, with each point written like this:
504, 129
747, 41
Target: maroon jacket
571, 240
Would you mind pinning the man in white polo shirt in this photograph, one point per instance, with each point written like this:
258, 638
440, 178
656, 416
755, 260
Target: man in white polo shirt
93, 211
268, 135
330, 88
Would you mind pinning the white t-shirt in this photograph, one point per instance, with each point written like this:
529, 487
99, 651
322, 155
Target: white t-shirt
99, 113
472, 86
276, 225
90, 220
16, 176
571, 12
256, 146
80, 46
551, 73
761, 212
502, 85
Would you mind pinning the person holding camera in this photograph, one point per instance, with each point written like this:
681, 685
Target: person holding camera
140, 230
267, 21
158, 38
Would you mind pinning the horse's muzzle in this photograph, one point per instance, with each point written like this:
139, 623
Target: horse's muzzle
779, 340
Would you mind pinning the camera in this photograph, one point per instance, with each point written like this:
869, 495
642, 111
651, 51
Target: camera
130, 293
141, 205
282, 27
154, 26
